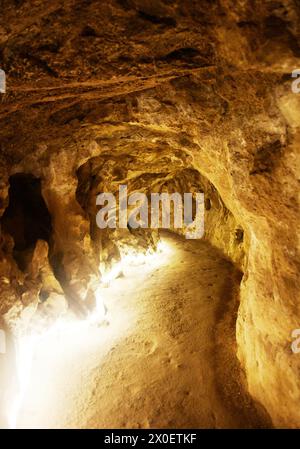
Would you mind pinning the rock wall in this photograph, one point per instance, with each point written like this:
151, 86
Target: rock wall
148, 92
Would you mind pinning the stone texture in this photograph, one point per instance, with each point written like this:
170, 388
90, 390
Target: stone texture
162, 94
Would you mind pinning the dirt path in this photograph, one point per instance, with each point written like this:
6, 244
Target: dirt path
161, 362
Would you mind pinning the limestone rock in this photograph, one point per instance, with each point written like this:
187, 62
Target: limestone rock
160, 95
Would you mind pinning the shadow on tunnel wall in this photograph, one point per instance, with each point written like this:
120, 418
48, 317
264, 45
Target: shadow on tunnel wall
234, 391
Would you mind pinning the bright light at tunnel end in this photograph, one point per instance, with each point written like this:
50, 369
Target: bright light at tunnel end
134, 258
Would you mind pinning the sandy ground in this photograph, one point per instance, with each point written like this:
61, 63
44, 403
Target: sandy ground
166, 358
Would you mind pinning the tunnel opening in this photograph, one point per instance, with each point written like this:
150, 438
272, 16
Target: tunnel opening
26, 219
185, 307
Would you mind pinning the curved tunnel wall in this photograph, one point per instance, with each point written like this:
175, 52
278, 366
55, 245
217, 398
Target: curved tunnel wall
214, 93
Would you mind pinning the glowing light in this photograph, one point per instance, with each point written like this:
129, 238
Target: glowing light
112, 274
134, 258
98, 315
26, 345
68, 338
24, 354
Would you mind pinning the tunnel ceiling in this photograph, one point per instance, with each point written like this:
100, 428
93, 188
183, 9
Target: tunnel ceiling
156, 92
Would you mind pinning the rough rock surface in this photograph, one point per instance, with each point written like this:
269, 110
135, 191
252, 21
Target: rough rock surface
160, 363
151, 93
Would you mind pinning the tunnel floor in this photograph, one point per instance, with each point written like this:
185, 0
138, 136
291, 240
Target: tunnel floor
164, 358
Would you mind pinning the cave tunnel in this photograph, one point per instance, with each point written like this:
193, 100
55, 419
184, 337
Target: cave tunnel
149, 212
